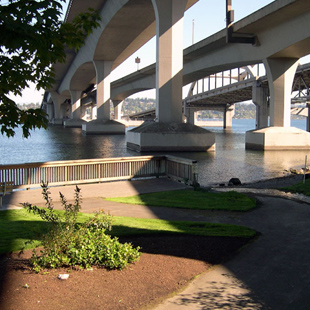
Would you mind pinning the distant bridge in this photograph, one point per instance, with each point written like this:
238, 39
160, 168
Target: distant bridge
223, 89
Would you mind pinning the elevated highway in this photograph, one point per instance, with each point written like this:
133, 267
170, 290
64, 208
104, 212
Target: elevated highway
222, 90
282, 37
125, 26
281, 29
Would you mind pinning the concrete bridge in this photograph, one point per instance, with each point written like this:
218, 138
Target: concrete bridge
281, 38
222, 90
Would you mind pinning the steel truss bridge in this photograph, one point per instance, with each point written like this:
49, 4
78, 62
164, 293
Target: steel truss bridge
222, 90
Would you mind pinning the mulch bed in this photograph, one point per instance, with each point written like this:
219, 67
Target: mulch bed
168, 263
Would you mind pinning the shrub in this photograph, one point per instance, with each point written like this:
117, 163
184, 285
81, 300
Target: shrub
68, 243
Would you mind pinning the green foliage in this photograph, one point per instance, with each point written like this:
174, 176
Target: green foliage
125, 226
137, 105
70, 243
242, 110
193, 199
33, 38
302, 188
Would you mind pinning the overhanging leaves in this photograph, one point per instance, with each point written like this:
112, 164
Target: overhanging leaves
33, 38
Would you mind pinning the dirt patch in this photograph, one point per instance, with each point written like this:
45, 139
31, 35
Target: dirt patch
168, 263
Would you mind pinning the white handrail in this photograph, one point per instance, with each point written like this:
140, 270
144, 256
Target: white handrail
99, 170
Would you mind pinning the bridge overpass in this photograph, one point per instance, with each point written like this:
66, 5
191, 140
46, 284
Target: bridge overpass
125, 26
281, 31
222, 90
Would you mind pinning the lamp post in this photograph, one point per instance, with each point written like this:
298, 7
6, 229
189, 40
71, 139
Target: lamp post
137, 60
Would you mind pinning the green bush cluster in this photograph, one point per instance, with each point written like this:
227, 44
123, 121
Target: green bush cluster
68, 243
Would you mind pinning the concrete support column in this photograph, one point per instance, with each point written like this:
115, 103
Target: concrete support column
83, 112
279, 136
93, 114
308, 120
169, 133
75, 120
50, 111
229, 113
118, 109
103, 124
169, 59
260, 99
76, 103
58, 111
280, 73
103, 70
190, 115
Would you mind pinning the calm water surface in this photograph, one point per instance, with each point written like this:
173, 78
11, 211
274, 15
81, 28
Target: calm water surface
229, 160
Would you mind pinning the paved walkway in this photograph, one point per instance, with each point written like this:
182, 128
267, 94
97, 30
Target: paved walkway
271, 273
92, 194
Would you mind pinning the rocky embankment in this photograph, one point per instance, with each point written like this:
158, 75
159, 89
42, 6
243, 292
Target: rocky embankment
275, 183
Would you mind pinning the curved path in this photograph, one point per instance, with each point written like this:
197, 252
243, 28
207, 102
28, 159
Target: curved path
271, 273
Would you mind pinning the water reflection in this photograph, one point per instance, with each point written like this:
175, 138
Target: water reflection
229, 160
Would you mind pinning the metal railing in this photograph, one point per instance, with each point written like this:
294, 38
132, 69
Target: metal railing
99, 170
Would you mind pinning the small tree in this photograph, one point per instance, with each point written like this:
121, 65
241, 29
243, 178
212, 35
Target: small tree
69, 243
33, 38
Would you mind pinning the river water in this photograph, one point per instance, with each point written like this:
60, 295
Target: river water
229, 160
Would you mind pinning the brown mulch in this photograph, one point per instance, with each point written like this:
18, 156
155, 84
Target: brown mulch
168, 264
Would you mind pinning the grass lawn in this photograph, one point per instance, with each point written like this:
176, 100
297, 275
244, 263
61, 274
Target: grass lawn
190, 199
302, 188
18, 226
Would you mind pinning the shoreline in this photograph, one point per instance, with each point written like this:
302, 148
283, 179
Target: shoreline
273, 183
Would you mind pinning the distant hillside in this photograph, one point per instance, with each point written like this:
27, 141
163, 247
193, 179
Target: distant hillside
242, 110
131, 106
26, 106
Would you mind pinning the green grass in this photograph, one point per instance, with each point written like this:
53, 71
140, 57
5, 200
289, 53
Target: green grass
18, 226
302, 188
190, 199
125, 226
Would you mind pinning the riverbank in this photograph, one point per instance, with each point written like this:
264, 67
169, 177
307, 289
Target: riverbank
275, 183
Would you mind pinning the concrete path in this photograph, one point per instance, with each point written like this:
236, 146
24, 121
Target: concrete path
271, 273
92, 194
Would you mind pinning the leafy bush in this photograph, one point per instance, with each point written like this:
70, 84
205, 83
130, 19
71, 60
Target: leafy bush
71, 244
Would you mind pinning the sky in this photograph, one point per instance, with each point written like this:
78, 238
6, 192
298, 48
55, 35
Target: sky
203, 19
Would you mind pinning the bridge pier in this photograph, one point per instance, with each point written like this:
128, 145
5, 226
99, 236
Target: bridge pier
259, 98
190, 115
93, 111
76, 111
308, 119
228, 115
169, 133
103, 124
49, 110
59, 109
118, 109
279, 136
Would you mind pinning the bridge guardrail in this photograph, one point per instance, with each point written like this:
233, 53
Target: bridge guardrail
70, 172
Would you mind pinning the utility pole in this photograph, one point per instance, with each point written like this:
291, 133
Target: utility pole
193, 31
